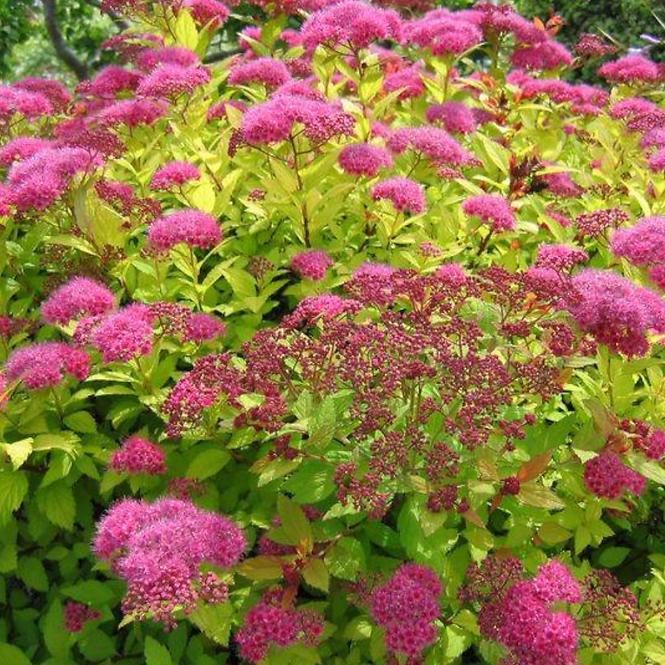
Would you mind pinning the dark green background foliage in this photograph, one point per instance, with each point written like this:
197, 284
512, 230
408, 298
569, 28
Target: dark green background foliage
25, 48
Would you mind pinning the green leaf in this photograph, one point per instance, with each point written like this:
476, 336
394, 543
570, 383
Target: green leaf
55, 638
346, 559
82, 422
156, 653
11, 655
316, 574
13, 488
32, 573
295, 525
652, 470
18, 451
208, 463
535, 494
57, 502
90, 592
611, 557
552, 533
312, 482
214, 621
323, 424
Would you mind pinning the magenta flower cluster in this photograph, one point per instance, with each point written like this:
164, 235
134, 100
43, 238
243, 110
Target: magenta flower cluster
406, 607
159, 548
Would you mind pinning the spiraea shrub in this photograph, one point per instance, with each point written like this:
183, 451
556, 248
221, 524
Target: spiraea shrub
340, 344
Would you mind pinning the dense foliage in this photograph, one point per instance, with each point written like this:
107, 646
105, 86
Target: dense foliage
346, 349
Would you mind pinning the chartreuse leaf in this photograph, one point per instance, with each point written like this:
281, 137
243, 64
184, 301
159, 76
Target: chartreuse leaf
11, 655
346, 559
214, 621
294, 524
13, 488
156, 653
57, 502
316, 574
207, 463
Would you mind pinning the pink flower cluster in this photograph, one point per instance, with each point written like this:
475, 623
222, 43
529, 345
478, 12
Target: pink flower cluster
406, 607
432, 142
615, 311
561, 258
44, 364
149, 58
268, 71
405, 194
456, 117
138, 455
442, 32
491, 209
522, 617
271, 622
77, 615
122, 335
191, 227
36, 182
174, 174
364, 159
350, 23
159, 548
209, 13
130, 113
170, 80
312, 264
78, 297
630, 69
607, 476
642, 244
273, 121
20, 148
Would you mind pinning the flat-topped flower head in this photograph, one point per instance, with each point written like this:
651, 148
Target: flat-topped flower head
607, 476
408, 80
274, 621
364, 159
405, 194
138, 455
616, 311
131, 113
406, 607
268, 71
312, 264
53, 90
45, 364
274, 120
174, 174
491, 209
561, 258
38, 181
159, 550
630, 69
22, 147
456, 117
642, 244
171, 80
30, 105
548, 54
432, 142
80, 296
190, 227
125, 334
442, 32
209, 13
149, 58
352, 24
203, 327
110, 81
